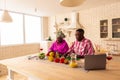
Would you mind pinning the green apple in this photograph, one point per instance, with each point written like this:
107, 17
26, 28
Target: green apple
42, 55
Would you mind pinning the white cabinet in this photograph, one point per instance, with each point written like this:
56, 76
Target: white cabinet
110, 29
103, 28
110, 32
116, 28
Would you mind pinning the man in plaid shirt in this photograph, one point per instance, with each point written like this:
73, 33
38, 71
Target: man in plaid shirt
81, 46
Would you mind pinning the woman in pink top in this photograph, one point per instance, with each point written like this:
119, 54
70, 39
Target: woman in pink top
60, 45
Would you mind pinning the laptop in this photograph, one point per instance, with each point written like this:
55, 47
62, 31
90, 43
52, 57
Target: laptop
95, 62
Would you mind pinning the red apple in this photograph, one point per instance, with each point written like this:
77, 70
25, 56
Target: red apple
57, 60
62, 60
47, 54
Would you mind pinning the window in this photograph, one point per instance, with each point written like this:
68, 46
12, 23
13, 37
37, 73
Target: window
32, 29
12, 33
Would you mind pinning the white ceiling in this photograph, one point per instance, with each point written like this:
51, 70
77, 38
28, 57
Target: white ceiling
49, 7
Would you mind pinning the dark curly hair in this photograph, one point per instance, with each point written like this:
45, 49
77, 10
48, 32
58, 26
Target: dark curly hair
80, 30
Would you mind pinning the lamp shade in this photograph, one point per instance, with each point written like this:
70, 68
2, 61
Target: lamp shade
71, 3
6, 17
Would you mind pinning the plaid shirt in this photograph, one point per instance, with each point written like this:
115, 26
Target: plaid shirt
82, 48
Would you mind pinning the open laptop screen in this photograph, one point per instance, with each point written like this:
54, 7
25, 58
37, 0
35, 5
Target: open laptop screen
95, 62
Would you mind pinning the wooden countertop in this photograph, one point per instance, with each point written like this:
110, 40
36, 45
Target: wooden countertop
45, 70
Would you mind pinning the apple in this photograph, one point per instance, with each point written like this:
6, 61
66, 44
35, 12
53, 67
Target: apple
62, 60
66, 61
57, 60
47, 54
41, 55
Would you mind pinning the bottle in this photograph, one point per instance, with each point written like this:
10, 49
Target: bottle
73, 62
57, 54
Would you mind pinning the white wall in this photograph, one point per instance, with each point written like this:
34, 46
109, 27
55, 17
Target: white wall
90, 19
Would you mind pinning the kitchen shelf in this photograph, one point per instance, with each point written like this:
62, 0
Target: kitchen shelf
116, 28
116, 32
103, 32
103, 28
111, 39
116, 24
103, 25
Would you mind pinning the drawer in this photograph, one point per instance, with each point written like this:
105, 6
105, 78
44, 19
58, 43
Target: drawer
3, 70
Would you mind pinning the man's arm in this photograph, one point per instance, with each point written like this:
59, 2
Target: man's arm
71, 49
89, 48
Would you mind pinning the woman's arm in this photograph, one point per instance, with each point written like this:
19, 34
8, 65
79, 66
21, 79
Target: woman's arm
65, 48
51, 47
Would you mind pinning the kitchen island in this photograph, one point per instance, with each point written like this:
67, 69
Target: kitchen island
45, 70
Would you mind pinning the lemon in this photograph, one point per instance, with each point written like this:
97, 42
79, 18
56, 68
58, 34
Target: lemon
50, 58
51, 54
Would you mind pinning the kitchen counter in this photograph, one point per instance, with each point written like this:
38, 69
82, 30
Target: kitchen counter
45, 70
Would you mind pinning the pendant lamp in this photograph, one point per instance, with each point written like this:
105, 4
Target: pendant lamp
6, 16
71, 3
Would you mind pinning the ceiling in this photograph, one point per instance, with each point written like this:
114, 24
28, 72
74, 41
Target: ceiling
49, 7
